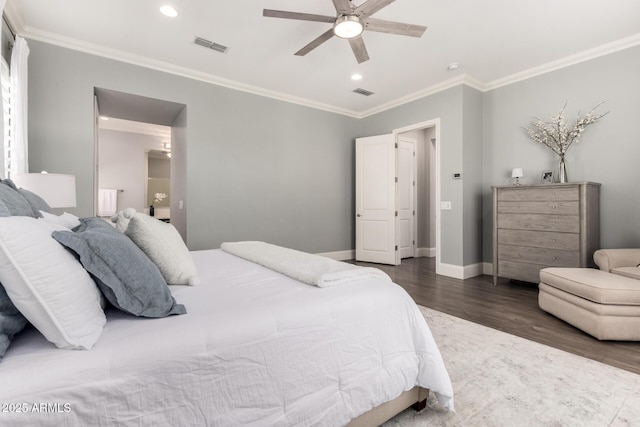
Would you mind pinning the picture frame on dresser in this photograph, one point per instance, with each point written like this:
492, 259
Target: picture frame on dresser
544, 225
546, 177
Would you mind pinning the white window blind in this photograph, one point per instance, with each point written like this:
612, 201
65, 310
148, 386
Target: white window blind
7, 112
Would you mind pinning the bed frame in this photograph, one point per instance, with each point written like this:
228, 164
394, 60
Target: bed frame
416, 397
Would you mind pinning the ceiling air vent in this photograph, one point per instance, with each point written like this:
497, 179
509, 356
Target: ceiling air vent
363, 92
211, 45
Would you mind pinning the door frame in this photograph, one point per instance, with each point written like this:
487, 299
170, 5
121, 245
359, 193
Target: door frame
414, 197
435, 123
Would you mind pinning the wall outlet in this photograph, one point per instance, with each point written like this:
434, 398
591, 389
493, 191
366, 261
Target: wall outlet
180, 204
445, 206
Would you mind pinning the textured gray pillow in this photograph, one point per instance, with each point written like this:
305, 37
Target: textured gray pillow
11, 321
36, 202
13, 200
164, 246
4, 210
125, 275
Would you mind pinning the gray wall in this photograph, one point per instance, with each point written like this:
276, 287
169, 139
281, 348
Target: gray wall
179, 173
263, 169
257, 168
608, 152
472, 175
448, 107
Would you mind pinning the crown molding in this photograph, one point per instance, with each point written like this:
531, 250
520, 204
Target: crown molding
586, 55
122, 125
463, 79
17, 22
14, 17
122, 56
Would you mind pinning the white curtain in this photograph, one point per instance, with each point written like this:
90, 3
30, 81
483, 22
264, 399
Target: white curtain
3, 173
19, 96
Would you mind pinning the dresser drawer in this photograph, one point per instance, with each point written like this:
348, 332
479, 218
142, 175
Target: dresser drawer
533, 194
543, 222
541, 207
543, 256
539, 239
520, 271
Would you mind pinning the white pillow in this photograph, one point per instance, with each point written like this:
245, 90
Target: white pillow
66, 220
122, 218
48, 284
162, 243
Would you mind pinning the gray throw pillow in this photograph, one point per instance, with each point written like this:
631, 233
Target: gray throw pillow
11, 321
126, 276
36, 202
4, 210
13, 200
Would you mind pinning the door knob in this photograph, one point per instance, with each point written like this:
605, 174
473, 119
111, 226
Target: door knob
358, 215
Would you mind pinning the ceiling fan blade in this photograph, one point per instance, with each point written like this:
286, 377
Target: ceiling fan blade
359, 49
315, 43
391, 27
370, 7
296, 15
343, 7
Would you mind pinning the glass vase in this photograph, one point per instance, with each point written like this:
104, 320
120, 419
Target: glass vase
562, 174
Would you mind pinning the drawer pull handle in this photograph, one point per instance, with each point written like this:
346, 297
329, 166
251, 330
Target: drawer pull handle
554, 258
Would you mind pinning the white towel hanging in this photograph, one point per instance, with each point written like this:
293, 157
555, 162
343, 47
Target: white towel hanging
107, 201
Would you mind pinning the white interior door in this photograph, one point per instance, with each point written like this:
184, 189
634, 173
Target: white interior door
405, 196
376, 200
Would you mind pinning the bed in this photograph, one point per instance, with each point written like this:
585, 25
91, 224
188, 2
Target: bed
254, 348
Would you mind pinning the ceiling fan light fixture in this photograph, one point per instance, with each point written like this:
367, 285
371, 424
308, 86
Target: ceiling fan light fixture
348, 26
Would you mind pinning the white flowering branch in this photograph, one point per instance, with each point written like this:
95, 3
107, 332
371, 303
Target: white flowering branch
158, 197
556, 135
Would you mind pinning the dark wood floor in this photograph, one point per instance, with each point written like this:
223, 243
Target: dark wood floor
510, 307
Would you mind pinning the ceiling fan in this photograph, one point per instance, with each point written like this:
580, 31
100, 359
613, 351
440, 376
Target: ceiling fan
349, 23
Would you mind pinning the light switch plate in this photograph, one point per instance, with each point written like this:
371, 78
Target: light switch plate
445, 206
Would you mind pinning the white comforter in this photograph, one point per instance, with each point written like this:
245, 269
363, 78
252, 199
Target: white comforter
256, 348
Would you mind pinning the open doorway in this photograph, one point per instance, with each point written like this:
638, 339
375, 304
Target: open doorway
396, 212
140, 162
426, 233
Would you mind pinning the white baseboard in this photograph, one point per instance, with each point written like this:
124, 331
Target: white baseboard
425, 252
460, 272
340, 255
449, 270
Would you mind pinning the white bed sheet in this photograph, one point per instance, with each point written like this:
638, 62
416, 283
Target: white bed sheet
255, 348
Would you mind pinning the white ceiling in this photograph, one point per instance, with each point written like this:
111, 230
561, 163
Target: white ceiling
494, 41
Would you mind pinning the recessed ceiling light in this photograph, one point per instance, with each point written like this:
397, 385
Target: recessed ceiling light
356, 76
453, 66
169, 11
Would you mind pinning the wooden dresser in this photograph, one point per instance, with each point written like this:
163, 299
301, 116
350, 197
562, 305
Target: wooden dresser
546, 225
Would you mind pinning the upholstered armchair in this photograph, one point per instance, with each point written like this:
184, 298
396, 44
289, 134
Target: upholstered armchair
624, 262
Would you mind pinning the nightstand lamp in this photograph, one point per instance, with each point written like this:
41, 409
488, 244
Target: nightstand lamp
58, 190
517, 173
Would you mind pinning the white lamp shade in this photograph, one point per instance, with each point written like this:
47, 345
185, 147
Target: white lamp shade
517, 173
58, 190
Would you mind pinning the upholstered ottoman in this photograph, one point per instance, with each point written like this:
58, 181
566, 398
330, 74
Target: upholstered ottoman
602, 304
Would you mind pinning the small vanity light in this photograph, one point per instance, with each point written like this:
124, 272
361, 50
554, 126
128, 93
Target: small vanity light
517, 173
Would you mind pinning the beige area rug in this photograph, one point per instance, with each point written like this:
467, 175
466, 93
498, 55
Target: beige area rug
504, 380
